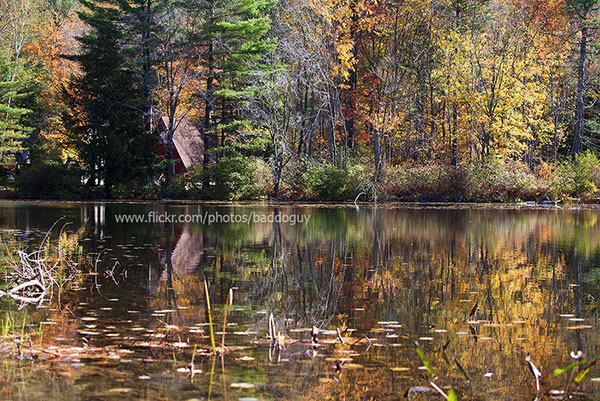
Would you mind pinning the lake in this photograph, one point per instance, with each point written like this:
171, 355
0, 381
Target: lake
478, 287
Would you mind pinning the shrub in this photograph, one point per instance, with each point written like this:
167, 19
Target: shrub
579, 179
358, 177
233, 177
263, 176
425, 183
46, 180
502, 181
493, 181
325, 182
292, 184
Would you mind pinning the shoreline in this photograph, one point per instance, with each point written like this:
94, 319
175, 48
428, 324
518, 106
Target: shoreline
322, 204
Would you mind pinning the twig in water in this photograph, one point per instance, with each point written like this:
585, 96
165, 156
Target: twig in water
462, 370
339, 335
439, 390
272, 328
535, 372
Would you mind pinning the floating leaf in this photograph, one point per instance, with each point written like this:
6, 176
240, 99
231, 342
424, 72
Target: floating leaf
120, 390
417, 389
352, 366
242, 385
580, 327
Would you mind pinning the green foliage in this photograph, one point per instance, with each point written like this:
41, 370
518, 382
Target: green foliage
233, 37
501, 181
47, 180
558, 372
15, 89
233, 177
428, 366
577, 179
584, 373
358, 176
325, 182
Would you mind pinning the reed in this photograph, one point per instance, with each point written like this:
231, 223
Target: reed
210, 323
227, 306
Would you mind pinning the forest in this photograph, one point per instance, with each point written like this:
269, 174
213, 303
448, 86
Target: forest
416, 100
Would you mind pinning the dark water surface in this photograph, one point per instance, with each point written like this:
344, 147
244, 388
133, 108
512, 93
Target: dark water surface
392, 275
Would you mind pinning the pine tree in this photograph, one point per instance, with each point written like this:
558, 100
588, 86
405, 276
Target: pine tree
210, 43
234, 36
13, 128
106, 113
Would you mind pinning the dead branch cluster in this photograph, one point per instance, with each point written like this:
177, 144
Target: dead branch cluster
38, 275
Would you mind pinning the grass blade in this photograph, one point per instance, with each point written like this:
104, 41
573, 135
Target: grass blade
584, 373
227, 306
558, 372
428, 366
210, 323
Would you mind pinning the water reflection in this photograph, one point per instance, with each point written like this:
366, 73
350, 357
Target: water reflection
496, 283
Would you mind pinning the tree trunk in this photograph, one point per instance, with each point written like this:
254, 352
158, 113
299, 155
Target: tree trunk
206, 131
579, 108
454, 145
277, 183
147, 67
376, 153
170, 134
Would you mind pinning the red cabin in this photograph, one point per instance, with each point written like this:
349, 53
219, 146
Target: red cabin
188, 144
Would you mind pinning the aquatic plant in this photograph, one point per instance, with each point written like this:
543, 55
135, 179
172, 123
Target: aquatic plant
210, 323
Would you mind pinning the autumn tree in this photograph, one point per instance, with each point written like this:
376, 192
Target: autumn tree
584, 14
272, 108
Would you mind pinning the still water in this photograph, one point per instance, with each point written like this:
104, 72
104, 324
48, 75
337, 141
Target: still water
479, 287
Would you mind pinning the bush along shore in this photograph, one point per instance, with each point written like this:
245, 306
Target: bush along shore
237, 178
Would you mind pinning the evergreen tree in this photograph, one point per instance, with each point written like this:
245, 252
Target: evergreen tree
106, 113
140, 46
14, 92
233, 33
210, 42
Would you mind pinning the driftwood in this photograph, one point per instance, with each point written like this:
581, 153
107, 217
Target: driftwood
27, 288
35, 275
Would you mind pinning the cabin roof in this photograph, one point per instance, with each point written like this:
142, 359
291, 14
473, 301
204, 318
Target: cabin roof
187, 140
